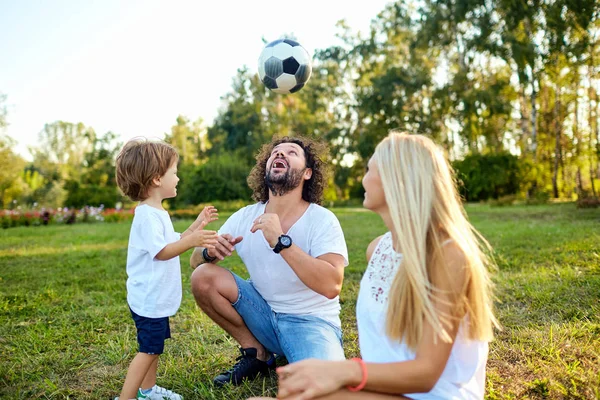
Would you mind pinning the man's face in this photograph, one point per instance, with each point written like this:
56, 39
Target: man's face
286, 168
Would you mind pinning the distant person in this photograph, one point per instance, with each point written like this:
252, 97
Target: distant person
147, 172
295, 253
424, 309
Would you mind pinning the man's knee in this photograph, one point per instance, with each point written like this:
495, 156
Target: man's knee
209, 280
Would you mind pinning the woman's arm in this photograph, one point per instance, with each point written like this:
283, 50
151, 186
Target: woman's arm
316, 378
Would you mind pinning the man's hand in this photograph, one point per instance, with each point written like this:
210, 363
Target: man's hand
270, 226
224, 246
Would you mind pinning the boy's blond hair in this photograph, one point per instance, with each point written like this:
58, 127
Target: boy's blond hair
139, 162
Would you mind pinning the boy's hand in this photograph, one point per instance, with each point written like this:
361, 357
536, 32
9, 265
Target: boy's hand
202, 238
208, 214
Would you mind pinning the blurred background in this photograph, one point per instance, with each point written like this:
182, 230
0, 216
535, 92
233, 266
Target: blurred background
508, 88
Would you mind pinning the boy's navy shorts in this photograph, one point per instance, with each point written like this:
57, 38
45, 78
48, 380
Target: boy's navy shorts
151, 333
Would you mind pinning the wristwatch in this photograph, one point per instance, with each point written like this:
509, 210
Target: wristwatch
283, 242
206, 257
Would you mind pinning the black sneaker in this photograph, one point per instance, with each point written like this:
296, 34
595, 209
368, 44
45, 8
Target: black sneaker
247, 366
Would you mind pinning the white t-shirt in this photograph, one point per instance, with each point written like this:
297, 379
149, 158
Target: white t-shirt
317, 232
153, 286
464, 375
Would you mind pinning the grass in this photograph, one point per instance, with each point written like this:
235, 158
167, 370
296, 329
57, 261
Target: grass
66, 332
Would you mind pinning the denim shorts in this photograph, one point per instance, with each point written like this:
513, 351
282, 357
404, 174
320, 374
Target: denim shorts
151, 333
297, 337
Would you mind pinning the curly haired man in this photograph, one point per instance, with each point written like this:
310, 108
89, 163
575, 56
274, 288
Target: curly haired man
295, 253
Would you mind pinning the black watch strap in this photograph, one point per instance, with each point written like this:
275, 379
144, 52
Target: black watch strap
283, 242
206, 257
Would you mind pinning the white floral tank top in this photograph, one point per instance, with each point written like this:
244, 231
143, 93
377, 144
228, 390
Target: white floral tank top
464, 375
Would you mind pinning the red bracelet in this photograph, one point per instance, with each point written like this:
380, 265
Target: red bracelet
363, 382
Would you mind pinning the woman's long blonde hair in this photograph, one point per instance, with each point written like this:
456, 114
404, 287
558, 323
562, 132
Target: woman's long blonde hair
426, 211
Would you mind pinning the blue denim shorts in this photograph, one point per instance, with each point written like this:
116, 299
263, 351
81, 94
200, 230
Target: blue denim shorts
298, 337
151, 333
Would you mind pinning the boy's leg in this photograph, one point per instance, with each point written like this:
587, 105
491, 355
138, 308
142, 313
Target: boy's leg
150, 378
151, 336
138, 369
307, 336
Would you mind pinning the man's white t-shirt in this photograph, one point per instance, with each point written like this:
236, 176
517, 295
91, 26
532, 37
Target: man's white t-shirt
153, 286
317, 232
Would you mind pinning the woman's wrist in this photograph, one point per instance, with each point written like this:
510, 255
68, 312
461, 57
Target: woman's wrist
357, 375
349, 373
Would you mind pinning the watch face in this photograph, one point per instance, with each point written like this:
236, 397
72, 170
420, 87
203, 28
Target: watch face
285, 240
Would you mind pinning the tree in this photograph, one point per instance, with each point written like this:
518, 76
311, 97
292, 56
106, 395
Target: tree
96, 184
62, 146
11, 167
189, 139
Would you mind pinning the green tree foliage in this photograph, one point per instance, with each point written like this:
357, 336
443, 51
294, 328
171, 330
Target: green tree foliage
222, 177
96, 184
189, 139
484, 79
12, 185
485, 176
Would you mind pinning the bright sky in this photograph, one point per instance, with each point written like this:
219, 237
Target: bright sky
132, 66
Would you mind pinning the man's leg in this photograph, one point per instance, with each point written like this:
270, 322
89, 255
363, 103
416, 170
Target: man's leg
307, 336
215, 290
235, 305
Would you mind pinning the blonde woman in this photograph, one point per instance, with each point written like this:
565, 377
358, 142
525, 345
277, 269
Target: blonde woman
424, 310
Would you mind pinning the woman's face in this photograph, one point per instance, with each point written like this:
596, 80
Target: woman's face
374, 196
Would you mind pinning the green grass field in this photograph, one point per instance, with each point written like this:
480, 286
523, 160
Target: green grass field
65, 329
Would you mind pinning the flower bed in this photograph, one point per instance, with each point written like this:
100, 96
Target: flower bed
14, 218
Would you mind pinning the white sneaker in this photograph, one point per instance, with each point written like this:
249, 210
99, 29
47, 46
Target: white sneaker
159, 393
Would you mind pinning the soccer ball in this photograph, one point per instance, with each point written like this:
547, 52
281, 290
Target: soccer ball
284, 66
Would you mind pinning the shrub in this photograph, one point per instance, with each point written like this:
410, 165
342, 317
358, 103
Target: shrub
507, 200
588, 202
489, 176
538, 197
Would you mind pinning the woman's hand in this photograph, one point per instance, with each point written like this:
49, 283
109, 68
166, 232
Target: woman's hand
312, 378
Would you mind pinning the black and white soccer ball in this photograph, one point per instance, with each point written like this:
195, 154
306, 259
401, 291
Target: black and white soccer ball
284, 66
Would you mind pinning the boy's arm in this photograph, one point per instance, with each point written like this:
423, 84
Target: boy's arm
208, 214
173, 249
193, 239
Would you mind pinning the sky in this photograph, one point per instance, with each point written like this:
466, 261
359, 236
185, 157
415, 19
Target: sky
132, 66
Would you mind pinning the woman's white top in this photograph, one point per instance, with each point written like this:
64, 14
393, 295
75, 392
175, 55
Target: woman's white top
464, 375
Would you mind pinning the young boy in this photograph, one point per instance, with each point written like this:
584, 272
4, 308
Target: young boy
146, 171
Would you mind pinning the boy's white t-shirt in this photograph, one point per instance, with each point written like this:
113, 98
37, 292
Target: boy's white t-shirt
463, 377
153, 286
317, 232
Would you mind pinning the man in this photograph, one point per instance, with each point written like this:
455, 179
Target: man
295, 253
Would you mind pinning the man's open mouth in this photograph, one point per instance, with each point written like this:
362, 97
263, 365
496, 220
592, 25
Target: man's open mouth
279, 163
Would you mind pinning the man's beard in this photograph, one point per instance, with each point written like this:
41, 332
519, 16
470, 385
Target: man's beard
284, 183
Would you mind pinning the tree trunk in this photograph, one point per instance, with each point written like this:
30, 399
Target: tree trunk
579, 139
579, 185
594, 146
525, 134
593, 126
533, 120
557, 148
